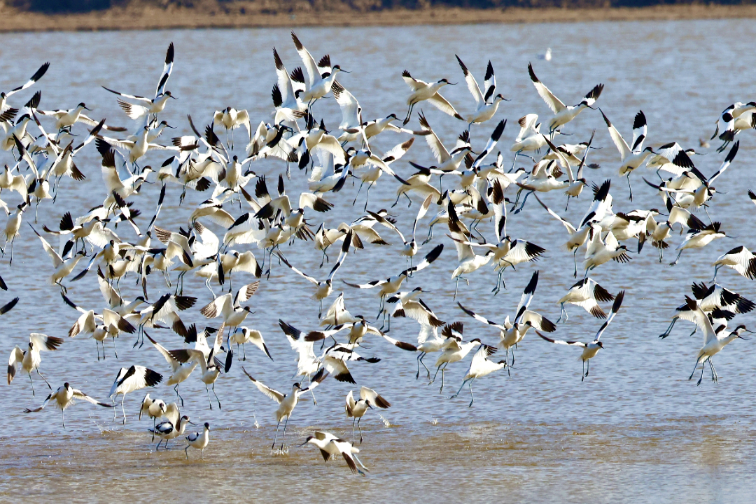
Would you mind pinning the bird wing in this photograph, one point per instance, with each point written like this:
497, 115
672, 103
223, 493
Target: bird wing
619, 142
351, 112
342, 255
562, 342
309, 62
350, 403
56, 259
40, 408
34, 78
615, 308
537, 321
527, 296
640, 129
273, 394
295, 270
472, 84
45, 342
413, 83
480, 318
174, 363
374, 398
444, 106
552, 101
246, 292
167, 68
570, 228
78, 394
16, 356
726, 162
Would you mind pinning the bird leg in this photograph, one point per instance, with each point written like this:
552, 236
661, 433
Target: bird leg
207, 284
179, 395
123, 397
629, 186
583, 378
523, 202
714, 375
443, 374
562, 313
472, 397
208, 397
42, 376
574, 259
358, 193
114, 349
97, 346
422, 361
216, 397
716, 270
284, 433
244, 351
276, 436
460, 389
360, 428
186, 452
32, 384
703, 367
669, 329
677, 258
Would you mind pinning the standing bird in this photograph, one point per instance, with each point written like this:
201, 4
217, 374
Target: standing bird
153, 409
30, 359
287, 402
198, 441
591, 349
357, 409
130, 380
64, 397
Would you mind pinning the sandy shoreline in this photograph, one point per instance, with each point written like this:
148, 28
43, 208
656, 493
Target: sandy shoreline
150, 18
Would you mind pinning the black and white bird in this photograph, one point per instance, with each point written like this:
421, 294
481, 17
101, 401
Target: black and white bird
591, 349
428, 91
198, 441
6, 112
486, 103
480, 366
324, 288
740, 259
130, 380
632, 156
64, 397
369, 398
587, 294
563, 113
286, 402
331, 446
29, 360
153, 408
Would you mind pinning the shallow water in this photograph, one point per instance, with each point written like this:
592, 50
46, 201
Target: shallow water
635, 430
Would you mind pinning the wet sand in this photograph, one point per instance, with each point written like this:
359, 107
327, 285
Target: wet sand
241, 15
699, 457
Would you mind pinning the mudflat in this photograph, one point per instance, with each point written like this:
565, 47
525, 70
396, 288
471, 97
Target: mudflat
135, 17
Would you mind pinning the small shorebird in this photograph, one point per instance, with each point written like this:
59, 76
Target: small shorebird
591, 349
130, 380
479, 367
198, 440
422, 91
30, 359
357, 409
286, 402
64, 397
330, 446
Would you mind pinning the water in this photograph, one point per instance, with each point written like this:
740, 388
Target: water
635, 430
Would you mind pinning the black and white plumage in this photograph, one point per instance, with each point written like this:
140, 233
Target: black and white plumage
198, 440
480, 366
587, 294
4, 107
331, 446
29, 360
631, 156
369, 398
486, 103
130, 380
65, 396
591, 349
740, 259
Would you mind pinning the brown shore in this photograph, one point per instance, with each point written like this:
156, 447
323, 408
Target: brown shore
135, 17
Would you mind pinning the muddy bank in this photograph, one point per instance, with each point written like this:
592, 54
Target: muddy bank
151, 18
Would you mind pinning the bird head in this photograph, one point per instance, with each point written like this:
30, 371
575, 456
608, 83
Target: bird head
67, 386
337, 68
207, 425
445, 82
168, 93
600, 344
84, 106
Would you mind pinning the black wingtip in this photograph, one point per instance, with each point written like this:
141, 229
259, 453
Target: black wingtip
531, 287
618, 301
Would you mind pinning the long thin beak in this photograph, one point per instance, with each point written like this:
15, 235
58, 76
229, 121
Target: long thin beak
189, 421
592, 108
174, 97
452, 83
301, 445
169, 126
87, 108
345, 71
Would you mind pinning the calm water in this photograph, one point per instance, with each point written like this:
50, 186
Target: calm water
635, 430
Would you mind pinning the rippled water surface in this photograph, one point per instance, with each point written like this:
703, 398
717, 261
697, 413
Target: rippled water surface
635, 430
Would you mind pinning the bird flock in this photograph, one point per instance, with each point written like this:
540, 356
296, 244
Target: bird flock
242, 229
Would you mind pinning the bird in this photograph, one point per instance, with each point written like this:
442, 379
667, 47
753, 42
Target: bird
563, 113
453, 350
357, 409
243, 335
586, 293
230, 308
486, 103
632, 156
64, 397
428, 91
324, 288
714, 341
321, 75
698, 236
153, 408
591, 349
4, 95
180, 371
740, 259
132, 379
168, 430
198, 441
479, 367
29, 360
286, 402
331, 446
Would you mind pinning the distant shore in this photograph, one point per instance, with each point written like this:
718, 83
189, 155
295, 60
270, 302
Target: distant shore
151, 18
